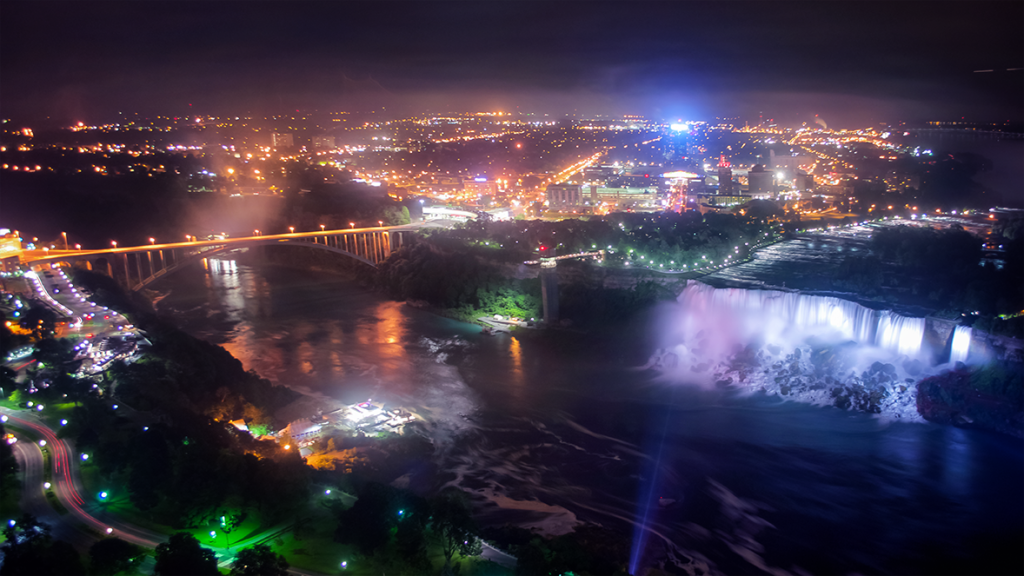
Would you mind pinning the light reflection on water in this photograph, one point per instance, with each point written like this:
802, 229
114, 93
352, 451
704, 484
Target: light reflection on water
547, 440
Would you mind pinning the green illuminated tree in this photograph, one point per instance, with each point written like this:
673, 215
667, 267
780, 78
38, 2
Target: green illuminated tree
182, 555
259, 560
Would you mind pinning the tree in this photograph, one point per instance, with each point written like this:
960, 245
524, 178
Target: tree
256, 419
7, 381
39, 320
322, 461
8, 464
182, 555
368, 522
54, 353
113, 555
452, 520
259, 560
29, 549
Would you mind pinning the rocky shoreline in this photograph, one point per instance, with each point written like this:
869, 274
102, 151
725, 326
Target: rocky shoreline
815, 376
906, 391
951, 398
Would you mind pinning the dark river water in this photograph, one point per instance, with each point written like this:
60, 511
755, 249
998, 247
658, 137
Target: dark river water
549, 439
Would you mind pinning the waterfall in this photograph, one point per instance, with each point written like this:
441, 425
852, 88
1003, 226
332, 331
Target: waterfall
899, 333
961, 344
774, 313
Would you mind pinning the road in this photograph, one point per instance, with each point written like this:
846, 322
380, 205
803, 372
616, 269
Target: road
87, 521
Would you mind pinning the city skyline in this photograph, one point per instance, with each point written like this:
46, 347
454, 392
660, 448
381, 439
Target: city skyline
851, 63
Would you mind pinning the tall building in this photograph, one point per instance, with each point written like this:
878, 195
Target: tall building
283, 140
561, 196
762, 182
725, 185
804, 181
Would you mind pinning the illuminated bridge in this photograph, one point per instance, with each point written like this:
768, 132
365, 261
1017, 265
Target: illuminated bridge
137, 266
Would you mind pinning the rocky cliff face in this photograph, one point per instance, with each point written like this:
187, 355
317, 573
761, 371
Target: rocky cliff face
950, 398
587, 274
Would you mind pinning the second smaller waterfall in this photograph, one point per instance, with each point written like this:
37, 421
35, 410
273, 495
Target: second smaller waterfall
961, 344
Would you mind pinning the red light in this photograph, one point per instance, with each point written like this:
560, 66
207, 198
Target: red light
647, 175
543, 247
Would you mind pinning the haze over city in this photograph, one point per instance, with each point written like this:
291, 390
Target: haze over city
854, 63
511, 288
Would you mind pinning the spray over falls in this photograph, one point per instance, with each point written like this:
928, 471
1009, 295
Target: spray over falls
817, 349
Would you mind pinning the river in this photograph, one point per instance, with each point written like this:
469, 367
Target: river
547, 439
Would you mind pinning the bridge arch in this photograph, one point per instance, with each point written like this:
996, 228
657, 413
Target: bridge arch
137, 267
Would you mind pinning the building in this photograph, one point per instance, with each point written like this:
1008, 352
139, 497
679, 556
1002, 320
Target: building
599, 174
323, 142
564, 196
762, 182
283, 140
10, 251
803, 181
725, 184
481, 187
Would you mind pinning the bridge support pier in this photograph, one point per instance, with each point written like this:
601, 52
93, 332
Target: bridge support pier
549, 290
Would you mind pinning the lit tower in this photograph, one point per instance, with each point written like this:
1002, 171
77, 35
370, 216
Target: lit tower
724, 177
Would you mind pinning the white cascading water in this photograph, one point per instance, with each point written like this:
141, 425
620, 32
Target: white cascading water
899, 333
961, 344
774, 313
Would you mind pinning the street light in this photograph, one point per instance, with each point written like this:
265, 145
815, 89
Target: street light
352, 224
291, 229
65, 235
152, 241
321, 227
380, 223
256, 232
78, 246
114, 243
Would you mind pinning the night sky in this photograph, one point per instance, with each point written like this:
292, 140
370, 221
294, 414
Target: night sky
851, 63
